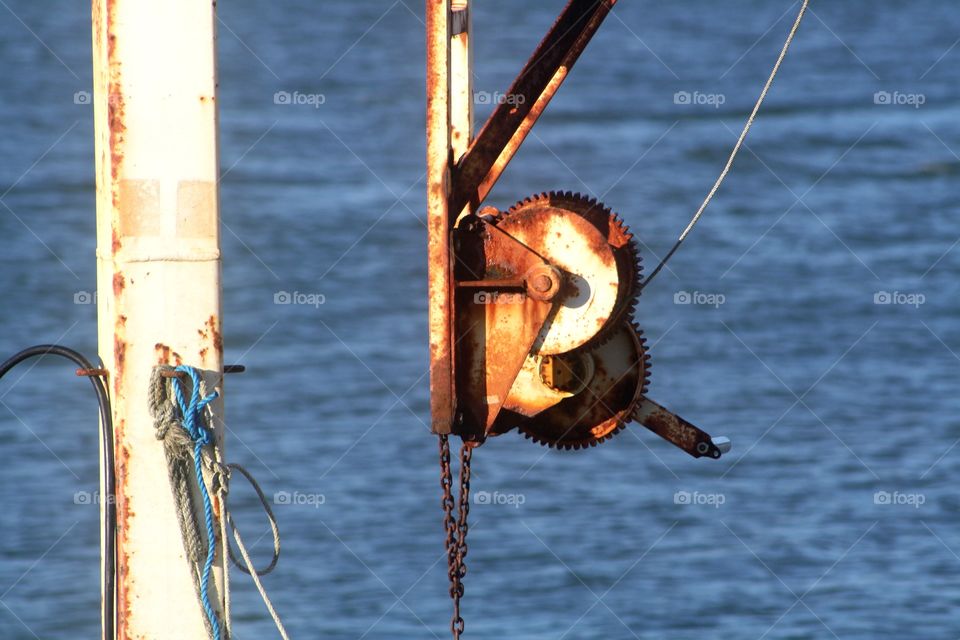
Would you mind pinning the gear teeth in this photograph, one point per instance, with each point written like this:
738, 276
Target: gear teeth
578, 444
620, 420
630, 265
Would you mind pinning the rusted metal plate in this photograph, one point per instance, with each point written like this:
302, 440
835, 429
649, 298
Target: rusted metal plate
530, 393
497, 325
527, 97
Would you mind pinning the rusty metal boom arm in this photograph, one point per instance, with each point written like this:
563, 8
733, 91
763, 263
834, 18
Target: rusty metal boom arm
504, 131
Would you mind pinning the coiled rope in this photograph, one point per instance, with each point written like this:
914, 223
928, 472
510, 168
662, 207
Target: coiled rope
736, 147
181, 423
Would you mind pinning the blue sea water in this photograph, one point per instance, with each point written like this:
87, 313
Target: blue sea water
822, 337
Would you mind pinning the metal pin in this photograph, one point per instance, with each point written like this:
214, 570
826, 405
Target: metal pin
92, 373
227, 368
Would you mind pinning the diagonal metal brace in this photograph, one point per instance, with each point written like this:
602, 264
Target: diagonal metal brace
506, 128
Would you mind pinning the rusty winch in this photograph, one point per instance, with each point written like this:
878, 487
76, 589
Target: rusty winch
531, 309
545, 340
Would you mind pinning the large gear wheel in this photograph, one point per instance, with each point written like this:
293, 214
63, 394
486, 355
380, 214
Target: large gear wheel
566, 229
618, 374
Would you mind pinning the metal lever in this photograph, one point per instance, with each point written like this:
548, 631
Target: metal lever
679, 432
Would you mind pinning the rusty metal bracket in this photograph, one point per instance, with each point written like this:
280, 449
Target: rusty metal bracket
506, 128
503, 299
92, 373
227, 368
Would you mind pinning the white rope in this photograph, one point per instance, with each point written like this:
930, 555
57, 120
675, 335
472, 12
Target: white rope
736, 147
221, 482
227, 615
256, 579
226, 517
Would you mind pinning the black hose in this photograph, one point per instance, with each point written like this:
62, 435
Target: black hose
109, 523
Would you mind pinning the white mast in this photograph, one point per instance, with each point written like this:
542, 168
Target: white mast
158, 277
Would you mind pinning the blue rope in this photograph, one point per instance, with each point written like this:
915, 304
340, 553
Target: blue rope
193, 424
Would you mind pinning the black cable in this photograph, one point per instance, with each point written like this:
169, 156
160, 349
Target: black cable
109, 523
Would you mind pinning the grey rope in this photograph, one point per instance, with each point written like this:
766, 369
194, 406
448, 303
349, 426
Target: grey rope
736, 147
270, 517
178, 448
251, 570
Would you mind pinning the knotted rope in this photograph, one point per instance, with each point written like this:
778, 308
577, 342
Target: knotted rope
182, 423
178, 435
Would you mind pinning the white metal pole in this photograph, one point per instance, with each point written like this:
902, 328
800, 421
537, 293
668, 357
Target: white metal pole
158, 277
461, 80
461, 83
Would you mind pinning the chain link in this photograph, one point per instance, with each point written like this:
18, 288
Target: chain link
456, 528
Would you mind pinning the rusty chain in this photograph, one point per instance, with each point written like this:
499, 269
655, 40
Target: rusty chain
455, 527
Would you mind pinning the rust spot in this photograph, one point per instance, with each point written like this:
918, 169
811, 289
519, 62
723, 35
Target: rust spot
166, 355
119, 354
213, 327
124, 515
97, 19
119, 351
104, 17
115, 105
118, 283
